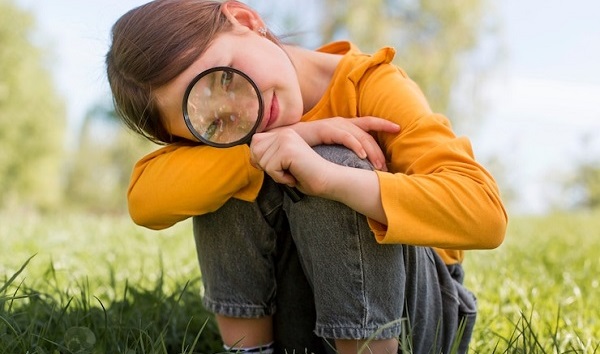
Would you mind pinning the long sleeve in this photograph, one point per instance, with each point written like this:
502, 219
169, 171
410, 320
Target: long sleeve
435, 194
179, 181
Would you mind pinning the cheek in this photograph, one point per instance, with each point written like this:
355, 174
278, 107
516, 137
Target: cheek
175, 125
169, 104
297, 99
298, 112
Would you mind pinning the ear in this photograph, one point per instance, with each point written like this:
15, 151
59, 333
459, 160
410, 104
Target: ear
240, 13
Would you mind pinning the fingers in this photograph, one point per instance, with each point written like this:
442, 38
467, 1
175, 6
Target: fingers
352, 133
375, 124
372, 148
374, 154
356, 137
267, 154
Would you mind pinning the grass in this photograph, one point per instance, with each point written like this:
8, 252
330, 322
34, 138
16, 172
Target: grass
78, 283
99, 285
539, 292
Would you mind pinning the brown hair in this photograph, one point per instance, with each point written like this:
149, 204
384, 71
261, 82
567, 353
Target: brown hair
151, 45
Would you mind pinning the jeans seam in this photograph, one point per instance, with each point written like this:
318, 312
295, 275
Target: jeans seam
366, 311
346, 332
238, 310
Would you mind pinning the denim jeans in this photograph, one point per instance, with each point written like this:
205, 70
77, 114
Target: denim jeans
316, 267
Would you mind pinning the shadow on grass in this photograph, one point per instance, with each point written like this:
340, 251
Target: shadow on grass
140, 320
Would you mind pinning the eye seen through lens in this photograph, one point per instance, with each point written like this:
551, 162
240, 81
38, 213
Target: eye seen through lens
222, 107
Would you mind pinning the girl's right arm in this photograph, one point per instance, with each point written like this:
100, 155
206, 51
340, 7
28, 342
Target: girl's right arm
179, 181
183, 180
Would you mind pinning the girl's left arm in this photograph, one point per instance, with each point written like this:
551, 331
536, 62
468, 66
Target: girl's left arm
435, 193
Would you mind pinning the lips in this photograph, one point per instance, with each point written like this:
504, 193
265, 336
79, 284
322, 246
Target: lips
273, 112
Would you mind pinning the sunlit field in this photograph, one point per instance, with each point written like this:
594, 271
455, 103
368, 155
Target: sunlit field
540, 291
99, 284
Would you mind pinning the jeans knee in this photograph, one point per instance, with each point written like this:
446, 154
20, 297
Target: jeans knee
341, 155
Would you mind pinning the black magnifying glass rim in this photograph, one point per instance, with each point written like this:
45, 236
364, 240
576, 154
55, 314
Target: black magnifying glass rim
188, 122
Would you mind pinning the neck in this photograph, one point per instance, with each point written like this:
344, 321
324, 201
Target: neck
314, 70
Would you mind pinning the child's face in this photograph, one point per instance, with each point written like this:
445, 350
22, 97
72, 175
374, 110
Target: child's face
262, 60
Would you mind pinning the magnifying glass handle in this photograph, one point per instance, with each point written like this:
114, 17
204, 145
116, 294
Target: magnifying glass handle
294, 194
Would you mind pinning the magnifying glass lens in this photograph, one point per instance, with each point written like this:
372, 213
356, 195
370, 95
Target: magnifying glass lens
222, 107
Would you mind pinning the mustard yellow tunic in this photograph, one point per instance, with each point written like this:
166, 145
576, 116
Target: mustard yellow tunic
435, 193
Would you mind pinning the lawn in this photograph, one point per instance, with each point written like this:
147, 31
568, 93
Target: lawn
80, 283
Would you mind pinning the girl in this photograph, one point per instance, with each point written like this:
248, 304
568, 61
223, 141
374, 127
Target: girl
372, 252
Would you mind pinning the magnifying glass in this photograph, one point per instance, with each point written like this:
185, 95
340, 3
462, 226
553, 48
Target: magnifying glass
223, 107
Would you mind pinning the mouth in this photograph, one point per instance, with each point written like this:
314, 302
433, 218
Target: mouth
273, 112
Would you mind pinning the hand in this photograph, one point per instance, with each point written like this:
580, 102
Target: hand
350, 132
284, 155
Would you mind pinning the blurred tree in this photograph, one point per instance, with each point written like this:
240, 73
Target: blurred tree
581, 187
32, 116
100, 168
586, 186
432, 39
